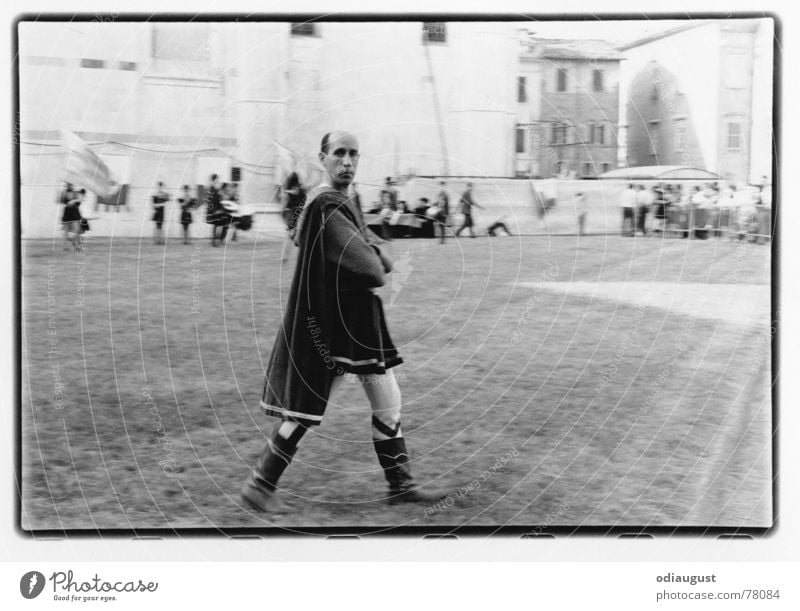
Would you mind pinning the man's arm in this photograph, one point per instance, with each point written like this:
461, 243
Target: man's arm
360, 262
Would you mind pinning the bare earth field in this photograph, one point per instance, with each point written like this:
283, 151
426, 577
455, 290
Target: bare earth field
548, 382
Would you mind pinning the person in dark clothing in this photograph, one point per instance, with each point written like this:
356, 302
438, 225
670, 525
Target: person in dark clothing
71, 217
443, 203
467, 203
216, 214
160, 198
186, 202
333, 324
497, 225
293, 198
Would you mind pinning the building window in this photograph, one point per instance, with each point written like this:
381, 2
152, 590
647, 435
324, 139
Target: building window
587, 170
434, 31
93, 63
606, 167
653, 135
561, 79
597, 80
520, 147
734, 135
559, 135
130, 66
522, 94
590, 133
680, 135
600, 134
304, 29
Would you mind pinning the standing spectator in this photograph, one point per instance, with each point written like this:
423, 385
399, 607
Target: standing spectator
644, 199
187, 202
234, 209
467, 203
388, 209
443, 204
160, 198
581, 211
71, 218
216, 216
698, 202
391, 194
628, 205
660, 209
293, 196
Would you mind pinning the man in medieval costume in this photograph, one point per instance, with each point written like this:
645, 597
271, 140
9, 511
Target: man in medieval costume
333, 325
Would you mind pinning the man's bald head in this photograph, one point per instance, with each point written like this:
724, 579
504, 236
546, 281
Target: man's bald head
331, 136
339, 156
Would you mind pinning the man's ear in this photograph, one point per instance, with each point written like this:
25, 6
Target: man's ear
321, 156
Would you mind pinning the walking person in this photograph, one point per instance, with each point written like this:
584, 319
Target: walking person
160, 198
467, 203
333, 324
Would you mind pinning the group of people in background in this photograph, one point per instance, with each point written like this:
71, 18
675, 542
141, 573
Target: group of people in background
638, 202
221, 211
439, 212
221, 201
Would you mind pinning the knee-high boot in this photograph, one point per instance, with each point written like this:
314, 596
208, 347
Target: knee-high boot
393, 457
260, 489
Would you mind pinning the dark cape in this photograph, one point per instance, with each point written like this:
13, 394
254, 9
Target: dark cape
301, 368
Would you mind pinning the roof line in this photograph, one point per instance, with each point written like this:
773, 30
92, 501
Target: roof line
660, 35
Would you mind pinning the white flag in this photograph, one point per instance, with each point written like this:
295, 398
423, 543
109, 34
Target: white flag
84, 167
308, 169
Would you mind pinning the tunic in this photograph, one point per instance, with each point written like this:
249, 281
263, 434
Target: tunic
334, 322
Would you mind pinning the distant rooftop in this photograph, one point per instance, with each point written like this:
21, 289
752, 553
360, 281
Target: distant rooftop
562, 48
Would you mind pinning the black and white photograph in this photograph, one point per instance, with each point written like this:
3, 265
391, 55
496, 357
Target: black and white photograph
394, 274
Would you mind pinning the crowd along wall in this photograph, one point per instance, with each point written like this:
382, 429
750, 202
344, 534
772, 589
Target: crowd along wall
516, 202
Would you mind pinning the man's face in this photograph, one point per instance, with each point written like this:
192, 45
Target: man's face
341, 160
